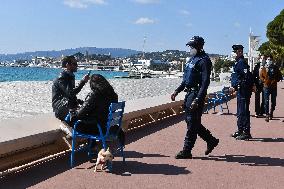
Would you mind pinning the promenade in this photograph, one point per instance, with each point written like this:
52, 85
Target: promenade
150, 162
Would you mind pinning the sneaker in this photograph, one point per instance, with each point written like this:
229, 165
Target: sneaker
211, 146
244, 136
184, 155
237, 133
67, 130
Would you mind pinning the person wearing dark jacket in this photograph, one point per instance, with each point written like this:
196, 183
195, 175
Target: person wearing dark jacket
242, 82
259, 102
64, 90
95, 108
195, 82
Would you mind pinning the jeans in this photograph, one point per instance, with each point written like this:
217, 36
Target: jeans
269, 92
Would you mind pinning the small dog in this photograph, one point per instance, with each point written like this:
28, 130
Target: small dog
103, 157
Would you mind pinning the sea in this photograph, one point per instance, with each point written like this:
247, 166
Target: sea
46, 74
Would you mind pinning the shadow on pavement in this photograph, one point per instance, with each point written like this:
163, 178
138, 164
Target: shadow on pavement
267, 139
135, 167
134, 154
247, 160
39, 173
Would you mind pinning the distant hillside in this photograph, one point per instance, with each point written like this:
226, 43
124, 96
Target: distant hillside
115, 52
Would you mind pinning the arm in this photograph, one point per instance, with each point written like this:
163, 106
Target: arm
87, 106
66, 86
205, 69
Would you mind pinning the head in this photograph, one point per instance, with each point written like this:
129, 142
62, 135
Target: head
262, 60
269, 61
70, 63
100, 83
237, 51
195, 44
106, 155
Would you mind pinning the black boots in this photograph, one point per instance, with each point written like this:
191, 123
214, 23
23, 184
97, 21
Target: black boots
211, 145
237, 133
267, 118
184, 154
244, 136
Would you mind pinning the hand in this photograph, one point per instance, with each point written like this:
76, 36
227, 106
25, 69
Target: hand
173, 96
194, 106
254, 89
86, 78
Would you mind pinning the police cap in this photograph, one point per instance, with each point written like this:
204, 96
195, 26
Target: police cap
237, 47
196, 41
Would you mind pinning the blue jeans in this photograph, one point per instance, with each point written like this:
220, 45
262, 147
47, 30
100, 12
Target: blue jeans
269, 92
194, 126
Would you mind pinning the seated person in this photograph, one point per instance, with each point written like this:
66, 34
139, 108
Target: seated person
64, 90
95, 108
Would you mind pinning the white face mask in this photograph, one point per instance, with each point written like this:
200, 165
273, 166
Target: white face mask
192, 52
268, 62
234, 55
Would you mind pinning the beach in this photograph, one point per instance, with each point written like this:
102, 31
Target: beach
20, 98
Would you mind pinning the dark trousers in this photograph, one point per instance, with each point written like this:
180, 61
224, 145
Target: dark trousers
269, 92
194, 126
259, 106
243, 113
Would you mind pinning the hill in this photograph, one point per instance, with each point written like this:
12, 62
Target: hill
114, 52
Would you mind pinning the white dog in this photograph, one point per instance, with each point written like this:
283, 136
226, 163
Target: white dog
103, 157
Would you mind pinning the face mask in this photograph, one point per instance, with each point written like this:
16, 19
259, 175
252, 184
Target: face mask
268, 62
192, 52
234, 55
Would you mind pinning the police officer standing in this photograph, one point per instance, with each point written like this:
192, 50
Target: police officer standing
242, 82
195, 82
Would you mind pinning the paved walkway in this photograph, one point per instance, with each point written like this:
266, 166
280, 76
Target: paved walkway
258, 163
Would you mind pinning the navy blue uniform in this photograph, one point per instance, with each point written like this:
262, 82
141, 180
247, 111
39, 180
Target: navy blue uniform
243, 84
196, 80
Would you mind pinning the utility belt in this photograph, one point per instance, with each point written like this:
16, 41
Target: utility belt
191, 89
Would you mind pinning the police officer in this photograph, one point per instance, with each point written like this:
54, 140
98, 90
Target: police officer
242, 82
195, 82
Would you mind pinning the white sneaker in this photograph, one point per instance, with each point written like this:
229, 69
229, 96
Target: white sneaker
67, 130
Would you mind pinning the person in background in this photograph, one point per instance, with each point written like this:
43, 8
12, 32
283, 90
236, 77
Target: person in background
195, 81
270, 75
259, 103
242, 82
64, 91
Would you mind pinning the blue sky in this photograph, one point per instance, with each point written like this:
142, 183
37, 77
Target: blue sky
30, 25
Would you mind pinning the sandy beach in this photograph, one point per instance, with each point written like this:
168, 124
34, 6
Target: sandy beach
20, 99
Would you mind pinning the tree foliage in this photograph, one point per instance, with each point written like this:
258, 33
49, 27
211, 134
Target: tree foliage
275, 44
275, 29
225, 64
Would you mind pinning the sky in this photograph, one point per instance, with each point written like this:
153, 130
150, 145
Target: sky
32, 25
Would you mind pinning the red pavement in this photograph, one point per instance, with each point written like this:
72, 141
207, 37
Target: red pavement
150, 159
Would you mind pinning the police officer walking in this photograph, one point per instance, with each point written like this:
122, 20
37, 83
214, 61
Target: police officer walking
195, 82
242, 82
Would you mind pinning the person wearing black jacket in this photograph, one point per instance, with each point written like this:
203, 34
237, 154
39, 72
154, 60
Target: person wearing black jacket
195, 82
259, 103
95, 108
63, 89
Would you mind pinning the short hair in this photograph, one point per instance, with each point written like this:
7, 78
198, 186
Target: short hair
270, 56
68, 60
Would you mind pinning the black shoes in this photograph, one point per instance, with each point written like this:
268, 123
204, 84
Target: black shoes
267, 118
244, 136
184, 155
211, 145
236, 134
